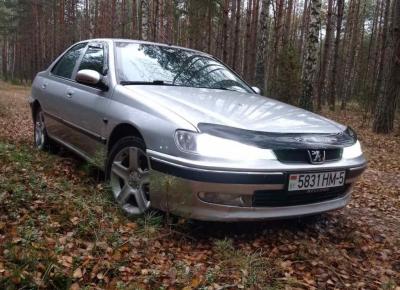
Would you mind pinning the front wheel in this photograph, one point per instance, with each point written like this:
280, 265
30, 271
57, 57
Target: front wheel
129, 175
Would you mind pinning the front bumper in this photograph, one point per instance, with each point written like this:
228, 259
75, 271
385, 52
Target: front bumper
175, 187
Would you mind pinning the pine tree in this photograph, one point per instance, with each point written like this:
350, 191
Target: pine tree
386, 106
334, 75
260, 78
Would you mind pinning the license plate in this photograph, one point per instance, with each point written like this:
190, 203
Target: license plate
306, 181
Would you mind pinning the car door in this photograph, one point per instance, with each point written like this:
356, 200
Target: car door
86, 105
53, 86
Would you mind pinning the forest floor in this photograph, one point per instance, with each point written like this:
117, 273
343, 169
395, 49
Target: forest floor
60, 229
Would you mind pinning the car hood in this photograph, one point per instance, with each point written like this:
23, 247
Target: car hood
236, 109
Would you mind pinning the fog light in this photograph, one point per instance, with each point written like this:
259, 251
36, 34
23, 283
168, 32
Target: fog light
232, 199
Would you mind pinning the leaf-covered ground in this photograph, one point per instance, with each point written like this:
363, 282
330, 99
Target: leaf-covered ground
60, 229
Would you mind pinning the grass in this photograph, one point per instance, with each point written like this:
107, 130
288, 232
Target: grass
62, 207
150, 224
255, 267
26, 186
23, 258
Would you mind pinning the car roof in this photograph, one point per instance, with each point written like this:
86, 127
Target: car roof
144, 42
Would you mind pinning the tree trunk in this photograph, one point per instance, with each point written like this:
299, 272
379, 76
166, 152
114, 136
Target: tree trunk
209, 33
54, 32
96, 18
277, 44
237, 34
379, 46
134, 19
4, 59
261, 68
225, 31
326, 54
123, 19
171, 22
248, 39
351, 55
381, 64
288, 23
253, 48
232, 31
304, 28
367, 77
155, 20
161, 30
310, 62
113, 19
386, 107
145, 19
334, 75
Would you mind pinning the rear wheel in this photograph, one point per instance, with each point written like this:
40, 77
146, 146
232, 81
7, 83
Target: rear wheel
129, 175
41, 139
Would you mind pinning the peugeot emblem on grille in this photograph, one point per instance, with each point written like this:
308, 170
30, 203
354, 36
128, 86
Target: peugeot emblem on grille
316, 156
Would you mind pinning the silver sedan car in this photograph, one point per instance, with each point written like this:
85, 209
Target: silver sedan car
177, 130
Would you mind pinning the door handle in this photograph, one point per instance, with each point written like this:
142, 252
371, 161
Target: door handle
70, 93
44, 85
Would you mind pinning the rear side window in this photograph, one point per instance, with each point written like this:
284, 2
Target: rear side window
93, 59
65, 66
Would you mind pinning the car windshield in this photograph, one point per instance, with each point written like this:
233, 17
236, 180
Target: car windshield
163, 65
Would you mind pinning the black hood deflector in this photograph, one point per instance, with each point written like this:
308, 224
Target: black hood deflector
271, 140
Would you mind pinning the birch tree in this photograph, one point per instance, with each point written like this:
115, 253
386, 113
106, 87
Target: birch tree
326, 54
145, 11
310, 61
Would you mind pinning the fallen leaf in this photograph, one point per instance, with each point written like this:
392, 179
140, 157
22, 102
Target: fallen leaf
75, 286
77, 273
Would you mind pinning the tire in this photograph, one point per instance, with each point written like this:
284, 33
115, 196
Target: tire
40, 138
127, 171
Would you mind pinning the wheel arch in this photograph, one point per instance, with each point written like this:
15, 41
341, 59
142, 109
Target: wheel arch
120, 131
35, 105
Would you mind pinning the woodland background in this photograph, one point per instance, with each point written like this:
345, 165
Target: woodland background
306, 52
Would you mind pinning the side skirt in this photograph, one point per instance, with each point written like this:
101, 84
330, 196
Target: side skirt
76, 151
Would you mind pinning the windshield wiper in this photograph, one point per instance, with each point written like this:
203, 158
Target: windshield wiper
156, 83
222, 88
219, 88
163, 83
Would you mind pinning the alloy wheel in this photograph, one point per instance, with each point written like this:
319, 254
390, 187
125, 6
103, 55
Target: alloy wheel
40, 133
130, 180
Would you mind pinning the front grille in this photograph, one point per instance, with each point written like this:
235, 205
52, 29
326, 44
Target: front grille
264, 198
301, 155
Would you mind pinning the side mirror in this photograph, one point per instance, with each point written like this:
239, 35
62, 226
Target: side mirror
256, 90
91, 78
88, 77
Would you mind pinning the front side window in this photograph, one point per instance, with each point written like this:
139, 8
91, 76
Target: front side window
93, 59
65, 66
147, 63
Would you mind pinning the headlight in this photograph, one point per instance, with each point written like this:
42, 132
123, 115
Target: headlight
352, 151
211, 146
